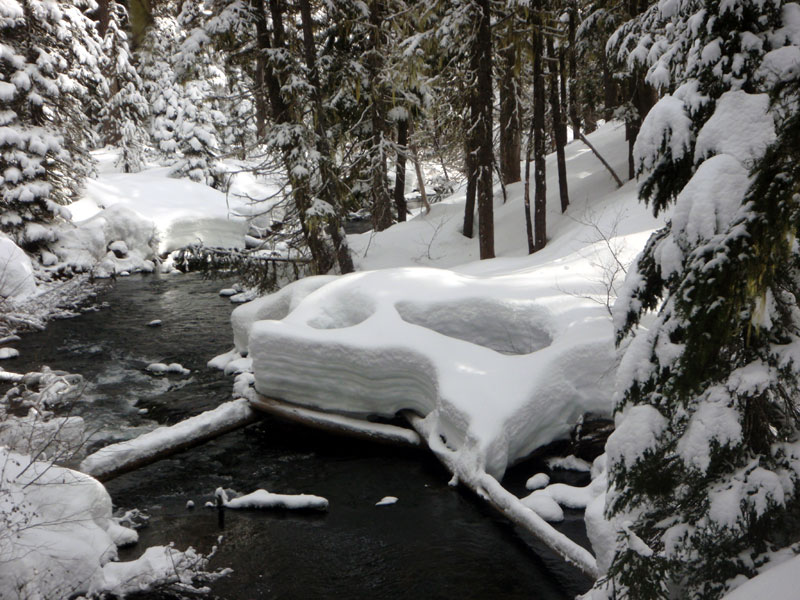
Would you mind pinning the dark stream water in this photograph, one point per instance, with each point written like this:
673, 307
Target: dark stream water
435, 542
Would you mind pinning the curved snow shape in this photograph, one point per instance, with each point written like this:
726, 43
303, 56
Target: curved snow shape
507, 327
348, 309
498, 366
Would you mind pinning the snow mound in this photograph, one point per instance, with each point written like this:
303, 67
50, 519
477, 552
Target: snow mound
264, 499
57, 529
364, 344
16, 271
181, 211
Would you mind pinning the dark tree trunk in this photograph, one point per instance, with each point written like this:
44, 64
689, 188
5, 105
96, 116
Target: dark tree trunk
381, 201
283, 113
539, 168
469, 205
609, 91
573, 70
329, 190
510, 143
559, 127
400, 170
103, 16
485, 156
528, 223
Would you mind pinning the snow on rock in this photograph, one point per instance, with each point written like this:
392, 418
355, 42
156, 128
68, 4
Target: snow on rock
264, 499
16, 271
162, 369
386, 501
182, 212
6, 353
154, 323
57, 531
569, 463
361, 344
85, 245
226, 292
537, 481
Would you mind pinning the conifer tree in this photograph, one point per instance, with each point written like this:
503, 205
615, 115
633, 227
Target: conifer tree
124, 116
50, 79
705, 462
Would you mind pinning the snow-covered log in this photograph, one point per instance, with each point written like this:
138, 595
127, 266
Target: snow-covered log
376, 432
116, 459
489, 489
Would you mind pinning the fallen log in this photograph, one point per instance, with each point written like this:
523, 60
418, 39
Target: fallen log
333, 423
116, 459
489, 489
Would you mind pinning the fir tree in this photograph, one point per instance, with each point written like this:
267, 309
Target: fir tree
124, 116
705, 462
50, 79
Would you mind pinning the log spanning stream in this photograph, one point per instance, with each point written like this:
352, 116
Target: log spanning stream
435, 542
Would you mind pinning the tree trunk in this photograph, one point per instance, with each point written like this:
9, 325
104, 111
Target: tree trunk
510, 143
539, 168
485, 156
400, 170
528, 224
572, 27
469, 205
329, 191
381, 201
559, 127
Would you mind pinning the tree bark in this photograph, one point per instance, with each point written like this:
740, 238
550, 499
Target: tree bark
469, 204
485, 156
381, 201
510, 143
329, 191
400, 170
540, 183
528, 223
559, 127
572, 26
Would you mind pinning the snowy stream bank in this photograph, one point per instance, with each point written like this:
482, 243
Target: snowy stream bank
428, 543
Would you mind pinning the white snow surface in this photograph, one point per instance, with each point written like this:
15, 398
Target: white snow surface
58, 537
16, 272
111, 457
778, 582
264, 499
499, 356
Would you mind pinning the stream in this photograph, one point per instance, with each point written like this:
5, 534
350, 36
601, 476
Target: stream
435, 542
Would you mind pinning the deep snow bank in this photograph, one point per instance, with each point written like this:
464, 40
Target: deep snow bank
16, 272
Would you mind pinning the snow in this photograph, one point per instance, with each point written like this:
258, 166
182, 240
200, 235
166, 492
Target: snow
58, 535
740, 126
500, 357
6, 353
16, 271
264, 499
111, 458
778, 582
537, 481
386, 501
